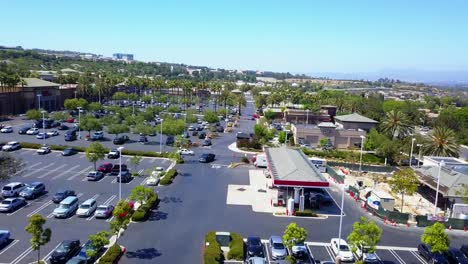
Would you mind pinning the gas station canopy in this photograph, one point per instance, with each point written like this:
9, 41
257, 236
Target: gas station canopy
291, 168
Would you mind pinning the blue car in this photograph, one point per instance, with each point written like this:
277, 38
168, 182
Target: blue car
4, 236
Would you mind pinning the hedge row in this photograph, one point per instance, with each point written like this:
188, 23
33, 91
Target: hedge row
170, 155
236, 247
168, 177
142, 213
112, 255
348, 156
306, 213
213, 253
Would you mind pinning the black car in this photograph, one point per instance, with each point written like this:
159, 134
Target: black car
69, 152
23, 130
220, 129
206, 157
116, 169
170, 140
202, 135
121, 140
70, 135
436, 258
61, 195
143, 139
63, 127
195, 133
254, 247
455, 256
125, 176
65, 251
199, 128
206, 142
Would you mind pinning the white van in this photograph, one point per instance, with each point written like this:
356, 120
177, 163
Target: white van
261, 161
13, 189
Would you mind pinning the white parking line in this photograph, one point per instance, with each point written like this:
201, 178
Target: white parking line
9, 246
46, 258
143, 181
108, 201
34, 165
17, 210
330, 253
79, 173
21, 256
35, 171
152, 160
39, 208
267, 251
419, 257
65, 172
52, 171
396, 256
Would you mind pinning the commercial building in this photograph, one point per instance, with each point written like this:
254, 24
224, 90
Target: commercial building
33, 93
122, 56
355, 121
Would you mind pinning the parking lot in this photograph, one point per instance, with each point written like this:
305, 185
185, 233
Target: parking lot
58, 173
319, 252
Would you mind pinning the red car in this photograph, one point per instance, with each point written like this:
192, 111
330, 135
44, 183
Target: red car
105, 167
70, 120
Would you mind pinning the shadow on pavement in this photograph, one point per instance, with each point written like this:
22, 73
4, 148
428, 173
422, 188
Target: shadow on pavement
158, 215
170, 200
145, 253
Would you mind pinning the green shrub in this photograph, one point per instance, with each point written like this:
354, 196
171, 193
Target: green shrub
213, 253
168, 177
111, 255
140, 214
290, 259
236, 247
245, 159
306, 213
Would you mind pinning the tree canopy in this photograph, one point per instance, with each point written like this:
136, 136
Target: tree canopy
435, 237
366, 233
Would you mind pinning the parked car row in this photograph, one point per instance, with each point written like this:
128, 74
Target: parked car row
452, 256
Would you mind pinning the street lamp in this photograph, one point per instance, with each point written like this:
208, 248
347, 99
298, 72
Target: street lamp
307, 118
75, 93
120, 172
39, 100
411, 152
341, 219
160, 138
79, 122
43, 128
441, 164
360, 158
419, 158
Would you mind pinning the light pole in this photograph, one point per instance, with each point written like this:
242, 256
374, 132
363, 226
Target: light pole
419, 158
360, 158
120, 172
43, 128
79, 122
75, 93
39, 100
441, 164
307, 118
160, 138
341, 219
411, 152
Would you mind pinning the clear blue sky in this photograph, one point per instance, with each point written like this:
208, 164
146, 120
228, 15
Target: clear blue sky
296, 36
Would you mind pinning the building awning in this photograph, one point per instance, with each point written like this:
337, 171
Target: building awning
292, 168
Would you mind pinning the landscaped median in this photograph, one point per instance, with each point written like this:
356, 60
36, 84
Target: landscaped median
142, 213
168, 155
168, 177
112, 254
213, 254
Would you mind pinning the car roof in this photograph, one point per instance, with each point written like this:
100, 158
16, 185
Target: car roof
12, 142
11, 199
90, 200
35, 183
13, 183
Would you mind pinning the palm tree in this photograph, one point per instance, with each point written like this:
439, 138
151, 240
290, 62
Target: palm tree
239, 99
442, 142
396, 124
216, 89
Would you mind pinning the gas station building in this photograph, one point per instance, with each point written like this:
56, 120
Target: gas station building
291, 170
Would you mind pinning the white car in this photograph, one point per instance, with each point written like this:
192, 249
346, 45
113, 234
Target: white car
186, 152
43, 150
157, 171
12, 145
87, 208
152, 181
7, 129
53, 133
32, 131
341, 248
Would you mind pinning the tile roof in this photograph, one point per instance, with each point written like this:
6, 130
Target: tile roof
355, 117
35, 82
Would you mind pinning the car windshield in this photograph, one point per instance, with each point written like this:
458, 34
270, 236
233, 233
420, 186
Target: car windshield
278, 246
255, 242
300, 244
60, 194
344, 248
102, 208
63, 248
6, 202
64, 206
84, 206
